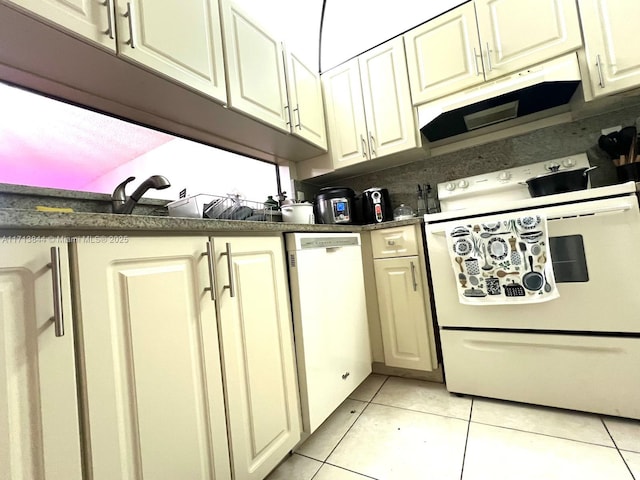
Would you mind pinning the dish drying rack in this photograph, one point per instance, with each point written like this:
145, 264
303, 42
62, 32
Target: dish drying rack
229, 207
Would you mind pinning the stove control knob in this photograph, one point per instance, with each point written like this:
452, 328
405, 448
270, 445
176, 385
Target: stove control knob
552, 166
450, 186
504, 176
568, 162
463, 184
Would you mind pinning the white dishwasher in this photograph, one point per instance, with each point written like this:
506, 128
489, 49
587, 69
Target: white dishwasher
329, 320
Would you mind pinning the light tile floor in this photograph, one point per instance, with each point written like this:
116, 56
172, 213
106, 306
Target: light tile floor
399, 429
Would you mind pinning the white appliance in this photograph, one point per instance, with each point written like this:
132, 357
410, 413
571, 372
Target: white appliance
329, 319
580, 351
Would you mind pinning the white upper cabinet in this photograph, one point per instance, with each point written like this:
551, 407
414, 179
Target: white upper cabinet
387, 102
369, 112
39, 425
255, 68
346, 122
612, 55
305, 102
485, 40
518, 33
90, 19
181, 40
443, 55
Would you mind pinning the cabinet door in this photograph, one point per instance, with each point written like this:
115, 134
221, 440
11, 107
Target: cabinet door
614, 61
258, 358
390, 117
515, 34
39, 426
403, 314
307, 110
182, 40
152, 376
444, 55
91, 19
346, 123
255, 68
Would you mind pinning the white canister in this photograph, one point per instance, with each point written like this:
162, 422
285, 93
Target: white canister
298, 213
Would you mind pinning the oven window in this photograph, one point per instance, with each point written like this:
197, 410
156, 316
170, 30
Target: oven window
569, 261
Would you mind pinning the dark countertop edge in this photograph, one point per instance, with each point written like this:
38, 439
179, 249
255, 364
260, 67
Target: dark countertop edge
74, 194
31, 220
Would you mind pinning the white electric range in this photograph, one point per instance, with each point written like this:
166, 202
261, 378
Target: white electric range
579, 351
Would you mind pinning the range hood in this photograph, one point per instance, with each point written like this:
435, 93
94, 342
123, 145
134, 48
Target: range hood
529, 91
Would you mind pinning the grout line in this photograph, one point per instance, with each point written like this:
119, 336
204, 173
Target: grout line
604, 424
348, 470
466, 440
420, 411
545, 434
349, 429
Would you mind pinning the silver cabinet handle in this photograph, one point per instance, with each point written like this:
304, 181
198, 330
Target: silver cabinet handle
110, 9
297, 110
364, 146
288, 114
129, 15
58, 315
231, 286
413, 277
489, 58
475, 56
372, 144
599, 67
209, 254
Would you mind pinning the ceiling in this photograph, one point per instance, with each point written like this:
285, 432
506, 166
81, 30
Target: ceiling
47, 143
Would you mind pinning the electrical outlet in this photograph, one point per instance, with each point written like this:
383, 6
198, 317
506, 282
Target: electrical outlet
299, 196
607, 131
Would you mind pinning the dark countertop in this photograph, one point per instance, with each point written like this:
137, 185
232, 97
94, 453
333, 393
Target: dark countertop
13, 220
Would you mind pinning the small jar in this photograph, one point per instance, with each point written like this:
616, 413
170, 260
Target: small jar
271, 204
403, 212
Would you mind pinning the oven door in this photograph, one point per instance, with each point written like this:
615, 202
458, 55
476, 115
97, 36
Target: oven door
595, 249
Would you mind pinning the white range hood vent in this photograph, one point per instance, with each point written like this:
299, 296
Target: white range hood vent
535, 89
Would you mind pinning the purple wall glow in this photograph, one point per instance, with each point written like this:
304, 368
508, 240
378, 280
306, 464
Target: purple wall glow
48, 143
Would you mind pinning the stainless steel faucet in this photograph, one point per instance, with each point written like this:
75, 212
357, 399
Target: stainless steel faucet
119, 201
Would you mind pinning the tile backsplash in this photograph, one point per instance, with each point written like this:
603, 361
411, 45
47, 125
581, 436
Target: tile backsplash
541, 145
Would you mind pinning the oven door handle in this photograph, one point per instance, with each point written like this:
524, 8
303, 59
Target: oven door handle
622, 207
593, 211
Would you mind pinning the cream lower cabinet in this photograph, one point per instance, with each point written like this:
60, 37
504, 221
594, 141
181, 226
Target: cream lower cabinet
257, 351
403, 299
368, 105
151, 383
613, 60
39, 426
91, 19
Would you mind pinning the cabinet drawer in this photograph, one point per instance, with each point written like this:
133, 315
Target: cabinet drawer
394, 242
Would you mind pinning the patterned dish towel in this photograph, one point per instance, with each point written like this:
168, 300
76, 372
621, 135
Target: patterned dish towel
503, 263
